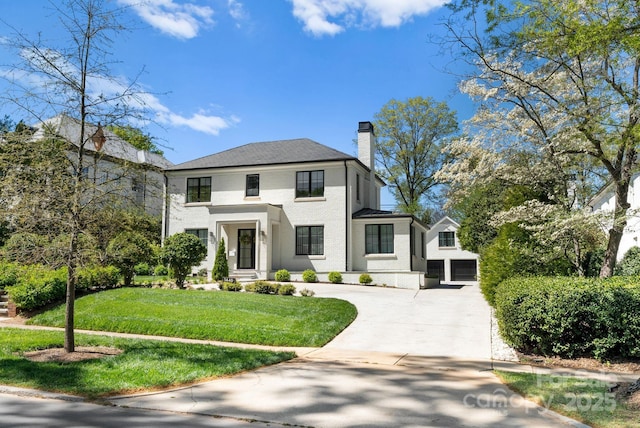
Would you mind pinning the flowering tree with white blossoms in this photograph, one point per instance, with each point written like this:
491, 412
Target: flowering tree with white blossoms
571, 71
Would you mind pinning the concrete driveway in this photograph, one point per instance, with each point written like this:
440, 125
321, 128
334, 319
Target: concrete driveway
410, 359
451, 321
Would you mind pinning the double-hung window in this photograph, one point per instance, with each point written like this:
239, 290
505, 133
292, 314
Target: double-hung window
446, 239
253, 185
309, 240
379, 239
202, 235
199, 189
309, 184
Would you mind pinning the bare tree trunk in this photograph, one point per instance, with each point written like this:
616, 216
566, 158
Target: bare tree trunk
69, 336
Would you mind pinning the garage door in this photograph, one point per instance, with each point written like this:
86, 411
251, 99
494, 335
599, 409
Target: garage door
464, 270
436, 267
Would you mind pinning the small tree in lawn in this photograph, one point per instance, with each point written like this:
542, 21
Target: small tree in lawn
220, 266
182, 251
126, 250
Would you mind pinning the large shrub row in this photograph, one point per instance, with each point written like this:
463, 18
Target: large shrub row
37, 286
571, 317
34, 286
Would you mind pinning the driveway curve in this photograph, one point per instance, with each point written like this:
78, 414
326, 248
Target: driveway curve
410, 359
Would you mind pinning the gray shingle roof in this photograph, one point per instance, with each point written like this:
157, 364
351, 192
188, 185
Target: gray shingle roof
69, 129
267, 153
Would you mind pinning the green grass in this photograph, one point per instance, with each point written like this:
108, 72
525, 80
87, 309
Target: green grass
210, 315
144, 364
585, 400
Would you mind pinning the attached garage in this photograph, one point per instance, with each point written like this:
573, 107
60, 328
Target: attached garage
464, 270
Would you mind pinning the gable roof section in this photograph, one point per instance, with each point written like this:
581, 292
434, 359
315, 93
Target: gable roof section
115, 147
446, 219
299, 150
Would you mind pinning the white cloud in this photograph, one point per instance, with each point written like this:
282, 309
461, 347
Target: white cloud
236, 10
140, 100
183, 21
316, 14
199, 122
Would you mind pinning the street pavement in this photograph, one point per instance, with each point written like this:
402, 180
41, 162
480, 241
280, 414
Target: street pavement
410, 359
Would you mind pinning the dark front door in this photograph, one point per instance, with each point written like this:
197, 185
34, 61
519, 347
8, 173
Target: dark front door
246, 248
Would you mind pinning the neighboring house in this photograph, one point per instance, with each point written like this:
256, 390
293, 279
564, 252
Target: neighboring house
604, 202
296, 205
445, 256
135, 177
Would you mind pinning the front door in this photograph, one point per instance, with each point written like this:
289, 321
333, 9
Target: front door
246, 248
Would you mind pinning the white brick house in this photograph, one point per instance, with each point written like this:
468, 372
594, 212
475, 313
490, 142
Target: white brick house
447, 259
296, 205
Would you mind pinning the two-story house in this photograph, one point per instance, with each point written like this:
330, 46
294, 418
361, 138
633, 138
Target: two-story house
296, 205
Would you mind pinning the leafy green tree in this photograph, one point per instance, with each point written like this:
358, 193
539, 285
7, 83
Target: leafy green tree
182, 252
221, 265
565, 72
65, 76
410, 137
136, 138
126, 250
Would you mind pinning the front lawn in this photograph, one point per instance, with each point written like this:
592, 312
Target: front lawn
210, 315
586, 400
144, 364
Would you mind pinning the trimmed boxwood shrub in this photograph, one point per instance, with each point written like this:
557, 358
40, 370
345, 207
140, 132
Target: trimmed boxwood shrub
309, 276
335, 277
287, 290
231, 286
38, 286
571, 317
283, 275
365, 278
99, 277
262, 287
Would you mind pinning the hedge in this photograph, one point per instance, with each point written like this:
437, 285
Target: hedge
38, 286
571, 317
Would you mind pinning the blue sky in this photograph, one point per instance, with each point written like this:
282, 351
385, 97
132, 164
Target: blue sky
229, 72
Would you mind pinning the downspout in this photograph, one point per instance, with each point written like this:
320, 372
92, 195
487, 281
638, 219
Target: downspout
412, 243
165, 211
346, 218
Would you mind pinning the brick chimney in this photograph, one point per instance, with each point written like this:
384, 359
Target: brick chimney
367, 155
366, 144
